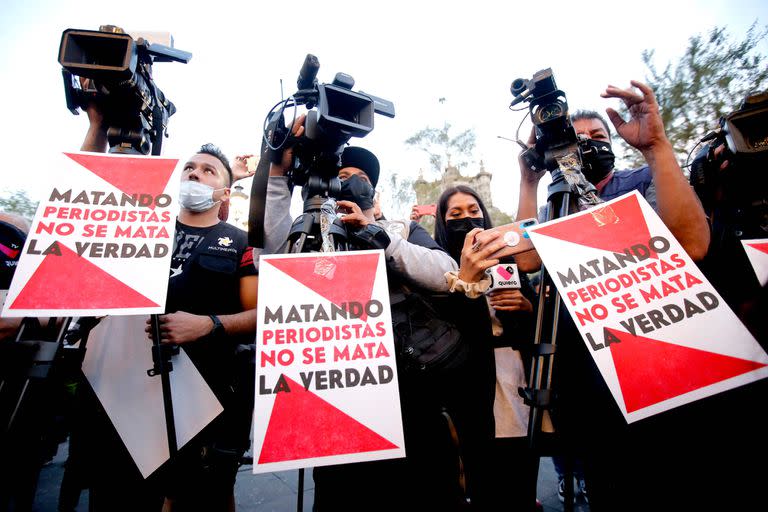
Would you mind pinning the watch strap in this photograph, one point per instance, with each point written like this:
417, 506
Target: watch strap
218, 327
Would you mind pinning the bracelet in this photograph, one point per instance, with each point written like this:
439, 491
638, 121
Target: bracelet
471, 290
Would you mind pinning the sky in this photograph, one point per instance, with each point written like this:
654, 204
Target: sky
412, 54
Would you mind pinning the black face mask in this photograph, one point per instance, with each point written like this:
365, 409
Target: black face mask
456, 231
358, 191
598, 160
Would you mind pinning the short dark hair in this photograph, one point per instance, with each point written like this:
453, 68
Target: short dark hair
442, 207
591, 114
213, 150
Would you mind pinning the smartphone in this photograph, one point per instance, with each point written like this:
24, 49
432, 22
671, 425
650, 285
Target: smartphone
514, 234
426, 209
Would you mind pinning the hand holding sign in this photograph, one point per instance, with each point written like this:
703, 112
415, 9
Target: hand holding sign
658, 331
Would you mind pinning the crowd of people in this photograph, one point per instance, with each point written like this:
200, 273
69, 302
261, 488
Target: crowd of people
466, 426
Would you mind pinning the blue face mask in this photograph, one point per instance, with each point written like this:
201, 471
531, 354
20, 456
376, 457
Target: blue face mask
196, 196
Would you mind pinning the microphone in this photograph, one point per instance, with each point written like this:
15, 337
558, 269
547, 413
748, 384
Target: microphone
504, 276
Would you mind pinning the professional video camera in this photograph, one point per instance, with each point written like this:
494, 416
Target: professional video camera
340, 114
742, 140
557, 149
335, 114
120, 73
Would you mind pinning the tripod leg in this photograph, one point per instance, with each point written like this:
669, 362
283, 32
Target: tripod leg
300, 492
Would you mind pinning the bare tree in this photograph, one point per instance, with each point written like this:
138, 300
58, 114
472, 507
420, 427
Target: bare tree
444, 149
710, 80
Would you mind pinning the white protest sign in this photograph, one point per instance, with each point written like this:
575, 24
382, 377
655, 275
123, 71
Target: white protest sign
326, 379
659, 332
116, 361
101, 240
757, 252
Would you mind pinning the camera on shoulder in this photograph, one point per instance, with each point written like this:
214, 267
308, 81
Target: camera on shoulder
119, 72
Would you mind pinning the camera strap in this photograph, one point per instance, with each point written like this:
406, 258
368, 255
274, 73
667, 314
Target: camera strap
258, 200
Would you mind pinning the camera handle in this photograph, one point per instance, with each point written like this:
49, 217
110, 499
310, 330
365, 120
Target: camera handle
162, 366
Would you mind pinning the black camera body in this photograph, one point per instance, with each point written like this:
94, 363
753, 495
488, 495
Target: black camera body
743, 137
336, 114
549, 113
120, 73
555, 134
558, 149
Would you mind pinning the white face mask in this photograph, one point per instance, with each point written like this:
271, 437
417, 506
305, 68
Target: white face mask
197, 196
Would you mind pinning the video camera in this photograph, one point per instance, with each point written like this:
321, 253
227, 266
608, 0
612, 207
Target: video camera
336, 114
558, 149
744, 136
549, 113
120, 73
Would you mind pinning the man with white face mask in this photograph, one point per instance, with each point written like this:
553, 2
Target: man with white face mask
211, 314
211, 304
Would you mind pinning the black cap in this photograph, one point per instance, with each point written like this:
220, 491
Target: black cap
363, 160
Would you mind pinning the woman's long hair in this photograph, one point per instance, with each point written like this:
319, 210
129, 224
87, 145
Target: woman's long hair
442, 207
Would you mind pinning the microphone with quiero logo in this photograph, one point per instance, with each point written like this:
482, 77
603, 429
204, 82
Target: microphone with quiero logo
503, 276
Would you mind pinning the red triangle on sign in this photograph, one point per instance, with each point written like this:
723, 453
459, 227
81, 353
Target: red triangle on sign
762, 247
615, 227
132, 175
347, 278
651, 371
303, 426
70, 281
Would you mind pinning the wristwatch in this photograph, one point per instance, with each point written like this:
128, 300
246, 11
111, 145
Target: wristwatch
218, 327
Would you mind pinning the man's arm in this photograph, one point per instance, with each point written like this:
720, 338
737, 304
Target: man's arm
245, 321
527, 208
183, 327
676, 202
96, 138
420, 265
277, 214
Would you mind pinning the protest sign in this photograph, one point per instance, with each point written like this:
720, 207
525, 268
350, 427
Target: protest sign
326, 380
757, 252
658, 331
101, 240
116, 361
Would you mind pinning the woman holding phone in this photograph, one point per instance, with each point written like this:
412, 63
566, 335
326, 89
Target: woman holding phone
501, 321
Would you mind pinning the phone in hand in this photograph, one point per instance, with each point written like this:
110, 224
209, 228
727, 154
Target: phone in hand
515, 236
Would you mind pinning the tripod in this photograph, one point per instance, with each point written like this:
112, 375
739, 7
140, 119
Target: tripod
317, 229
568, 191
